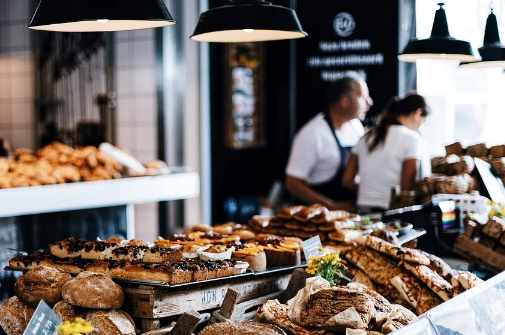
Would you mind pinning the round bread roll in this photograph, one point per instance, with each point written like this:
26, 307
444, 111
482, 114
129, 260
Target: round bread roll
111, 323
243, 328
68, 312
93, 290
42, 283
12, 317
245, 235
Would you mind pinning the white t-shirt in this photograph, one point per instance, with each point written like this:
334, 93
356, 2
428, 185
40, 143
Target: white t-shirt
380, 170
315, 156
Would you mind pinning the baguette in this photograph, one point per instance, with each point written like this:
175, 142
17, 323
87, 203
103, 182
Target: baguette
429, 277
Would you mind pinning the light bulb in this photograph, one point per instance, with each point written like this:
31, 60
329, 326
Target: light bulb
248, 31
103, 20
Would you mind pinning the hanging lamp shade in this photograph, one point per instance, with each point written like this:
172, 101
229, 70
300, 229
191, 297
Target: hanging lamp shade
492, 51
440, 45
100, 15
248, 21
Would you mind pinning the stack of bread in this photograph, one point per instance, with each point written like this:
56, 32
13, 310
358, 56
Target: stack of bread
334, 228
258, 250
489, 232
452, 173
90, 296
128, 259
57, 163
390, 288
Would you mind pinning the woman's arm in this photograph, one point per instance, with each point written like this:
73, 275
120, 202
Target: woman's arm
410, 168
305, 193
350, 172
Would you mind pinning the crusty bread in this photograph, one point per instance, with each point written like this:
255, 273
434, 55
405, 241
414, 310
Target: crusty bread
42, 283
93, 290
12, 318
244, 328
111, 323
68, 312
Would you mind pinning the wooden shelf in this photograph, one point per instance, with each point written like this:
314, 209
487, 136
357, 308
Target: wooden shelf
97, 194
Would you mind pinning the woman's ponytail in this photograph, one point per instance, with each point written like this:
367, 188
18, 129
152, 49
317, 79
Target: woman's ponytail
395, 108
377, 136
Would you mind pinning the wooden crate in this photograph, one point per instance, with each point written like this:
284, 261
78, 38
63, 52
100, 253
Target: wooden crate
152, 303
487, 257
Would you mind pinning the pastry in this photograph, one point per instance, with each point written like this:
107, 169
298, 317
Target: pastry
280, 252
71, 247
42, 283
250, 253
93, 290
308, 213
429, 277
292, 225
276, 222
288, 213
327, 227
404, 254
344, 235
258, 222
309, 228
31, 261
202, 227
330, 216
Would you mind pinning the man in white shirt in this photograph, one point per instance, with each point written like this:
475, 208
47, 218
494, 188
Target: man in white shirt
321, 148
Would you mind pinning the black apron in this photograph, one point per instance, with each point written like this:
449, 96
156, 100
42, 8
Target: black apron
333, 188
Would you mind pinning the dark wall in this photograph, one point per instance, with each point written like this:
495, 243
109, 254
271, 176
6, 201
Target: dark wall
370, 49
251, 172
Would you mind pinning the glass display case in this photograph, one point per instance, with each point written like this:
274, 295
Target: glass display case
479, 311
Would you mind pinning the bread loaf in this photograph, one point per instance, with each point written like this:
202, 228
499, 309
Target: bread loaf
494, 228
497, 151
498, 165
243, 328
12, 318
111, 323
93, 290
477, 150
42, 283
68, 312
465, 165
454, 149
438, 165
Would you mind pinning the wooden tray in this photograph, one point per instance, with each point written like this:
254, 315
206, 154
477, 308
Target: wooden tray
487, 257
152, 302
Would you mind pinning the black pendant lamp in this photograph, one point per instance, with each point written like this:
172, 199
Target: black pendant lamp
248, 21
100, 15
440, 45
492, 51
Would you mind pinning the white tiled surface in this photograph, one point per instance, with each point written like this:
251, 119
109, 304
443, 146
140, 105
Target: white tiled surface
17, 82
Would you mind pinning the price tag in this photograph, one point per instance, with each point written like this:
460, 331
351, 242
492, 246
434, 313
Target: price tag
43, 322
311, 247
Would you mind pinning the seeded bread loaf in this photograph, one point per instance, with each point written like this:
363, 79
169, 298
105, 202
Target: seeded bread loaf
12, 318
111, 323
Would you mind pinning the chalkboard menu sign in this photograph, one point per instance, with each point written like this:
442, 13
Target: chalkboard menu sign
358, 36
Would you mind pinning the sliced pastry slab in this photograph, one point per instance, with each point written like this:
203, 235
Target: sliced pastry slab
436, 283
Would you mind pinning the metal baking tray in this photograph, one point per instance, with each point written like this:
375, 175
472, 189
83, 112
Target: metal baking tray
248, 273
